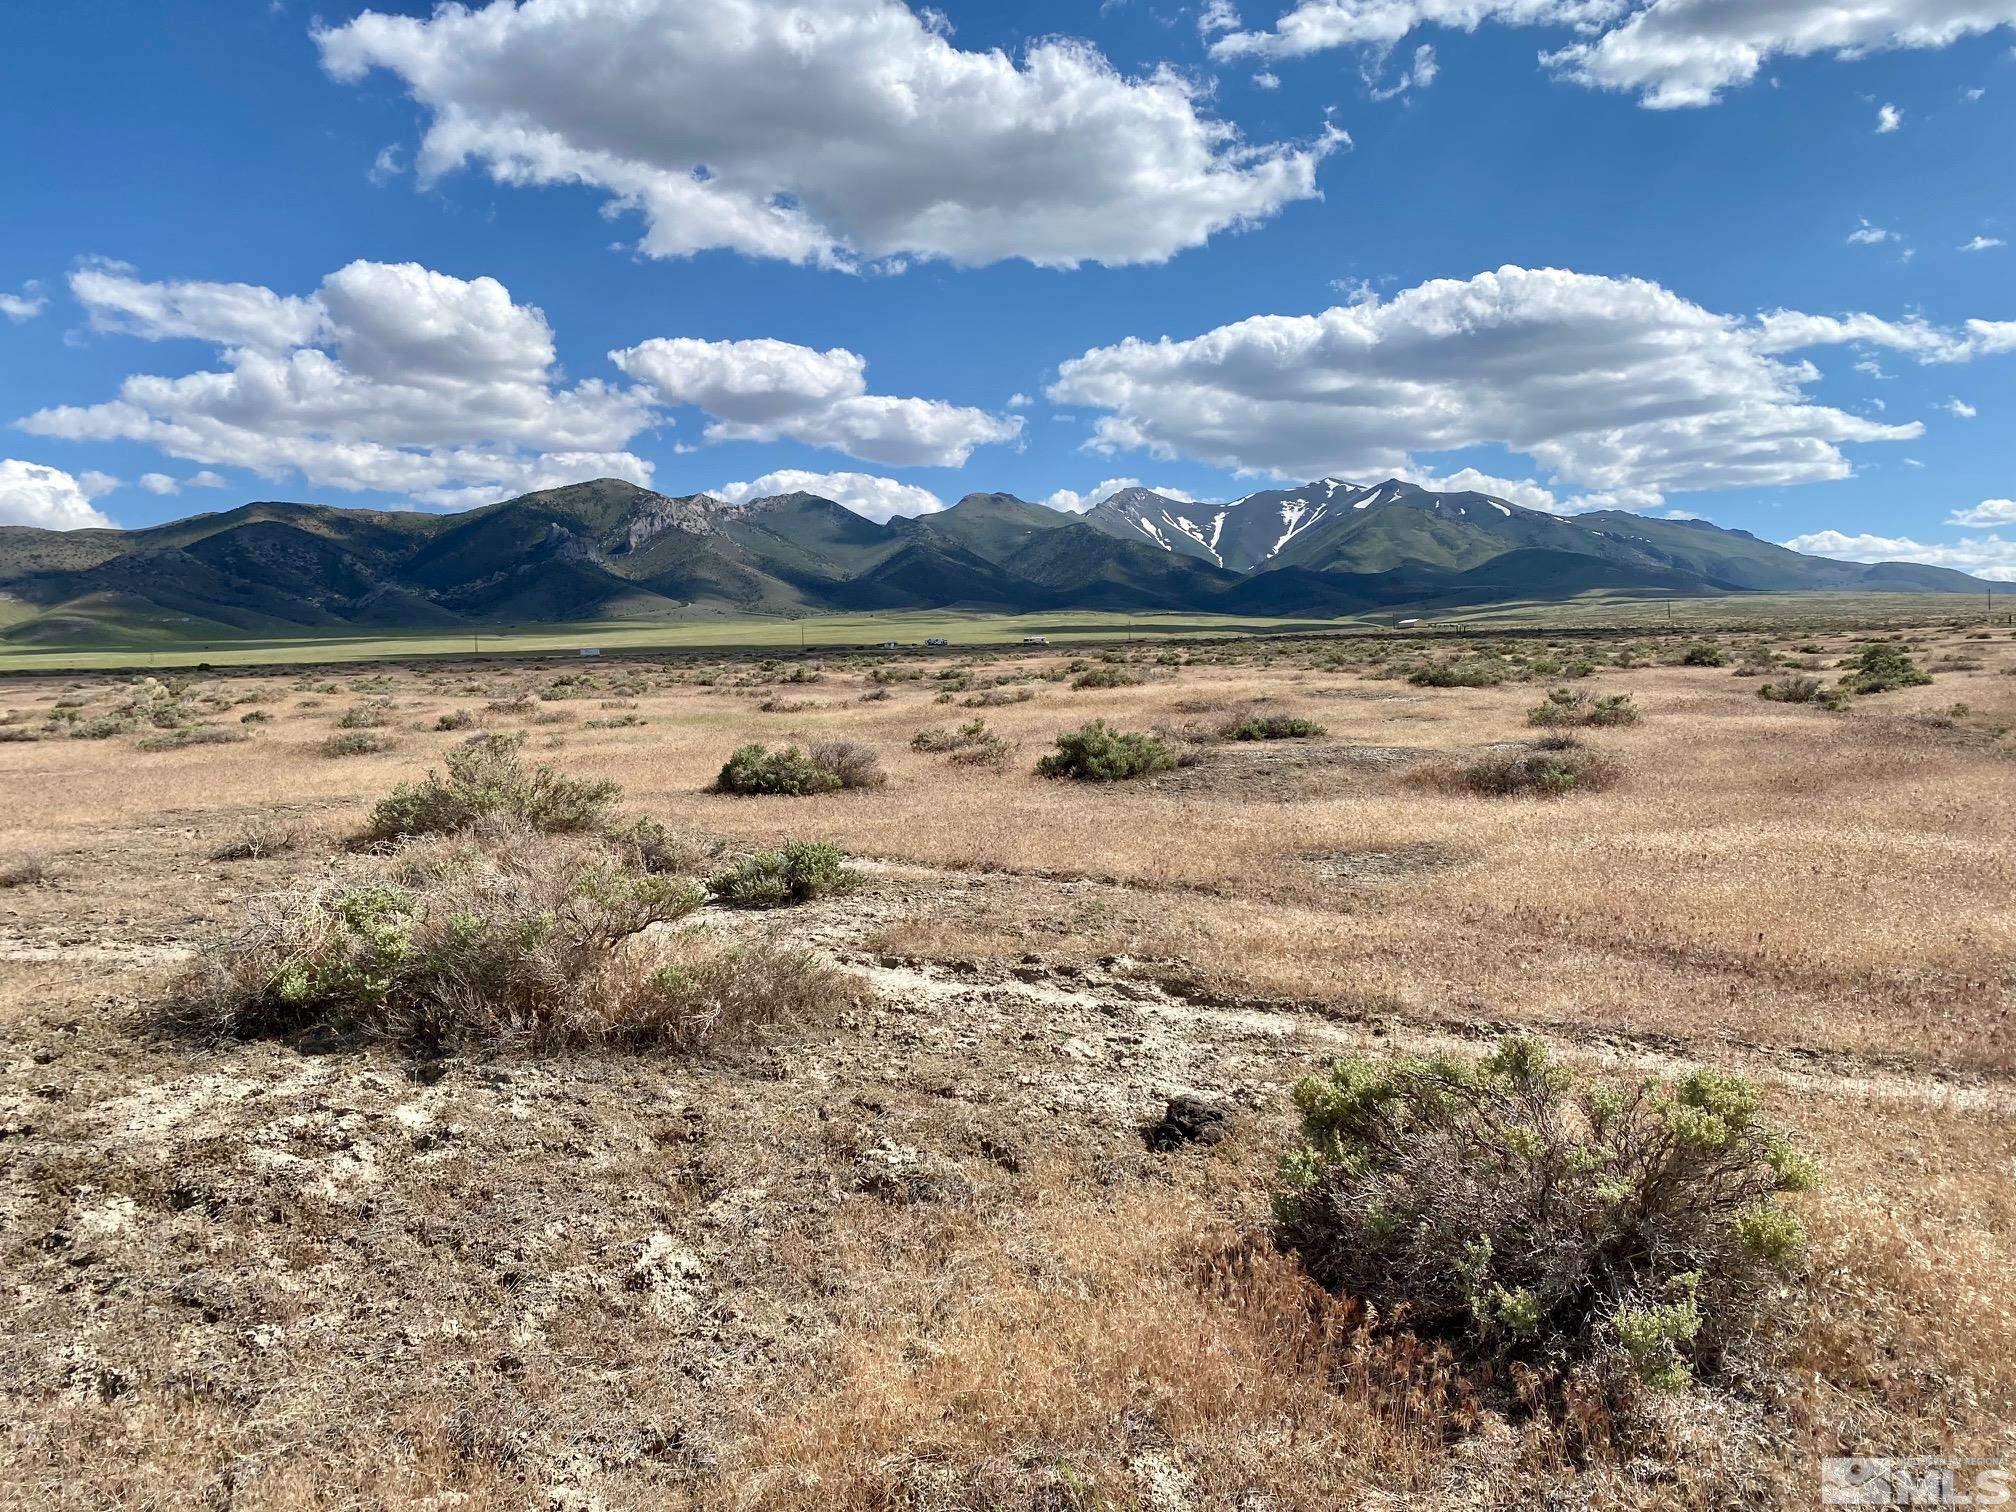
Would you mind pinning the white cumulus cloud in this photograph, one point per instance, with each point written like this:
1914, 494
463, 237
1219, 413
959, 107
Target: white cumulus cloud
1070, 501
1888, 119
764, 390
839, 133
1987, 512
1615, 385
876, 498
1983, 244
1988, 556
26, 305
390, 376
48, 497
1670, 53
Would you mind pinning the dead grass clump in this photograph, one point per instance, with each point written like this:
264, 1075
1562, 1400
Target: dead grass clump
1552, 768
259, 838
972, 744
996, 698
31, 870
1792, 687
646, 845
1523, 1215
487, 780
1115, 1352
191, 735
1109, 675
355, 743
542, 943
1573, 707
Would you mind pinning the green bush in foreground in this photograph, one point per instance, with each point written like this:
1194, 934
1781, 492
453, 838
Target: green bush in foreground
487, 780
1704, 655
1522, 1213
798, 873
1097, 752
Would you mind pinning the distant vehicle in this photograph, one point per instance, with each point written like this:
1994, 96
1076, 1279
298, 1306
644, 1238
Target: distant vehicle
1035, 640
937, 640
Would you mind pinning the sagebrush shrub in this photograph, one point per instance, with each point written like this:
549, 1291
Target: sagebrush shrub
796, 873
1475, 672
829, 765
1568, 707
756, 770
444, 944
487, 779
355, 743
1552, 768
1271, 727
1704, 654
1882, 667
1792, 687
1107, 675
972, 744
1097, 752
646, 845
1521, 1213
852, 764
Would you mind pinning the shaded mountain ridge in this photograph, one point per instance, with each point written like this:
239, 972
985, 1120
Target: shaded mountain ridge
609, 550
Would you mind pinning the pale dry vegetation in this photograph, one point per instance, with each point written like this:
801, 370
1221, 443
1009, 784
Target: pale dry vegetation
512, 1143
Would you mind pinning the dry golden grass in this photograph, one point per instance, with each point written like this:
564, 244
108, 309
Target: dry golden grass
919, 1257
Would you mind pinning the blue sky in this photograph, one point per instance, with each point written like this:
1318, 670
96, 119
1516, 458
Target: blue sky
375, 255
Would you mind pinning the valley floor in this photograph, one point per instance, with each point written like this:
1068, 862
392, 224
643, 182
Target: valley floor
920, 1256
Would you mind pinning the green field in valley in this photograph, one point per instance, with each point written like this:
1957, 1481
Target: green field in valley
852, 631
1593, 612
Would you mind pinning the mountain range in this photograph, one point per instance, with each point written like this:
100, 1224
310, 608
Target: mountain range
609, 550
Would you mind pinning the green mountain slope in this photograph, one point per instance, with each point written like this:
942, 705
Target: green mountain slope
611, 550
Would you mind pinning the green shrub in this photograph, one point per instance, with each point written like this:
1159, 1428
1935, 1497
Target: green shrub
1520, 1213
368, 716
646, 845
972, 744
1791, 687
1471, 672
1108, 675
1573, 707
1097, 752
1271, 727
548, 943
1704, 654
487, 780
191, 735
1552, 768
789, 772
355, 743
457, 719
798, 873
1883, 666
830, 764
